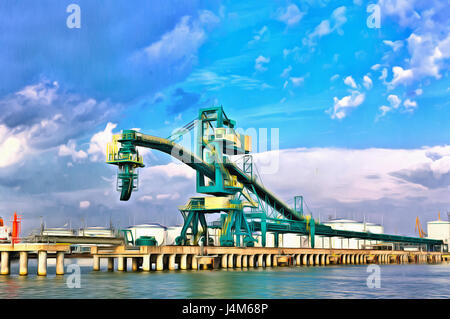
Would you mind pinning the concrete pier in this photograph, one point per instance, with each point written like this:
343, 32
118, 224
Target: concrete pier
268, 261
60, 263
208, 257
244, 261
224, 261
24, 249
183, 262
6, 263
260, 260
311, 260
251, 261
42, 263
305, 260
274, 261
23, 263
238, 261
160, 262
121, 263
230, 261
194, 265
172, 262
146, 263
96, 266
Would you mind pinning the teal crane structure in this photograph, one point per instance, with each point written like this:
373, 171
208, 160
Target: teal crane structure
246, 205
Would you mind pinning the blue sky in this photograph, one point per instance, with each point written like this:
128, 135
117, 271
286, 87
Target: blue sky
313, 69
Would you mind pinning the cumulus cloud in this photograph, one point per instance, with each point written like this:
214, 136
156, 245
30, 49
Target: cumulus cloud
410, 104
395, 45
350, 82
363, 180
396, 103
367, 82
98, 142
290, 15
297, 81
180, 44
42, 116
259, 35
428, 44
286, 72
401, 76
70, 150
394, 100
260, 63
335, 23
343, 106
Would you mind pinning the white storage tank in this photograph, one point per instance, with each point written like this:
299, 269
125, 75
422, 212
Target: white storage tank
352, 225
151, 229
439, 229
172, 233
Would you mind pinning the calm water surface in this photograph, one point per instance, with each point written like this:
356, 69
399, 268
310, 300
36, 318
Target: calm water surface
397, 281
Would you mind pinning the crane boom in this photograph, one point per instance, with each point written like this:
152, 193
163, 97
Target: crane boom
179, 152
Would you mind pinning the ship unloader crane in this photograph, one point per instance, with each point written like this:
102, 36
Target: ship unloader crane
227, 185
249, 207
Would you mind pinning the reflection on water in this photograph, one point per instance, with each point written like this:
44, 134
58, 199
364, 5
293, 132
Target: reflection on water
397, 281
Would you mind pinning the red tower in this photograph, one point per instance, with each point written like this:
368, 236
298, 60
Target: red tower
16, 229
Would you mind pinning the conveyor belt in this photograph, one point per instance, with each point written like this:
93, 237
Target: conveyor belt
190, 159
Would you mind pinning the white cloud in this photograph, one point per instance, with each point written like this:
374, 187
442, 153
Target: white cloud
168, 196
286, 72
260, 63
291, 15
182, 42
85, 204
418, 92
13, 146
384, 109
395, 45
297, 81
350, 82
383, 76
358, 175
395, 103
259, 35
401, 76
170, 170
410, 104
43, 92
145, 198
342, 106
375, 67
325, 27
394, 100
70, 150
367, 82
334, 77
97, 145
